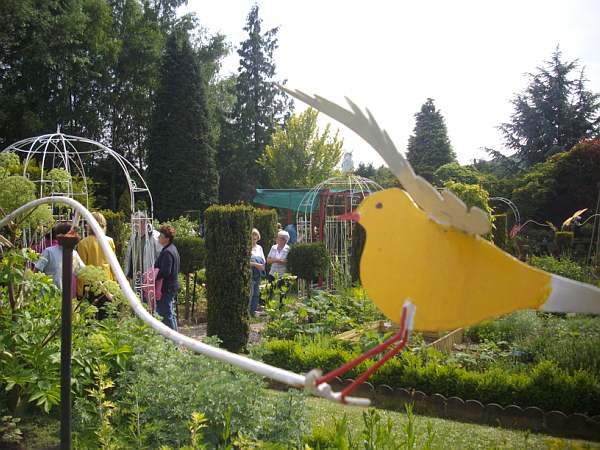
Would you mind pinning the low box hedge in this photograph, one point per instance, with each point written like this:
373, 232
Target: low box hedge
545, 385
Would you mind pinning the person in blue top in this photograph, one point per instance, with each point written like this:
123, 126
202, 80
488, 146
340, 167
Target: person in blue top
291, 229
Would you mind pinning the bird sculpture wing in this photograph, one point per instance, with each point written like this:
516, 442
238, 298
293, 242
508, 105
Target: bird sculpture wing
444, 207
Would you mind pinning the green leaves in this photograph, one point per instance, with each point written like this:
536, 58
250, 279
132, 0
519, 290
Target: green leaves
299, 156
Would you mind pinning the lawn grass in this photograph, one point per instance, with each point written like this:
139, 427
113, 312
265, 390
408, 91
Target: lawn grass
448, 434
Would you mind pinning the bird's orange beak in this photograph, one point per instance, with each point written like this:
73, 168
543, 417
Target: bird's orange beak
353, 216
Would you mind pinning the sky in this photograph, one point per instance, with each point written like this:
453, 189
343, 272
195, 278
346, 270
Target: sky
471, 57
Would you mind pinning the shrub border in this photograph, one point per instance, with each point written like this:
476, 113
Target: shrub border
532, 418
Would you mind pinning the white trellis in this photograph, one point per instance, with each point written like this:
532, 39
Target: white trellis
72, 154
319, 216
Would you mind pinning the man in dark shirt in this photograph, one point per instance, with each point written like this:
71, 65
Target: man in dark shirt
168, 270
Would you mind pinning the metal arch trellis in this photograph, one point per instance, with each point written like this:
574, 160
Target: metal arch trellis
318, 216
512, 207
68, 152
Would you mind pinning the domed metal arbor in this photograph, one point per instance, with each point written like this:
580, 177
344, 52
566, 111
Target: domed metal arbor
318, 217
57, 163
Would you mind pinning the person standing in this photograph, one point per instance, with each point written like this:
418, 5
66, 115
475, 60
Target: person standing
50, 261
92, 255
257, 263
277, 257
168, 271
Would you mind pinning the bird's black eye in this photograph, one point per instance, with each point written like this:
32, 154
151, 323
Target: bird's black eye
379, 205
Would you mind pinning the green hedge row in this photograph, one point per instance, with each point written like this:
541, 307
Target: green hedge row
228, 244
545, 385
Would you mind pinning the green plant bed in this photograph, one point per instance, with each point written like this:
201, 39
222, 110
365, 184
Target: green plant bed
544, 385
322, 312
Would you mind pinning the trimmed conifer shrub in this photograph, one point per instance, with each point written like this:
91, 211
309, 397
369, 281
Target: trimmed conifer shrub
228, 244
359, 237
564, 241
192, 254
308, 261
265, 221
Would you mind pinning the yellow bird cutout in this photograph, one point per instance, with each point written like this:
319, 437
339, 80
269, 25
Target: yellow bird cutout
426, 246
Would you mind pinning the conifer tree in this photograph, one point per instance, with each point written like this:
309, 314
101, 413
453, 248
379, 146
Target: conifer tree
553, 113
259, 107
429, 146
181, 163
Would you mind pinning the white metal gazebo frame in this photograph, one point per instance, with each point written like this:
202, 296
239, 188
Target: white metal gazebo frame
67, 152
331, 199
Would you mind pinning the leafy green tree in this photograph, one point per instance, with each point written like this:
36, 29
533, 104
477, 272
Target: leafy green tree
471, 194
429, 146
555, 189
455, 172
553, 113
259, 107
56, 57
181, 163
301, 156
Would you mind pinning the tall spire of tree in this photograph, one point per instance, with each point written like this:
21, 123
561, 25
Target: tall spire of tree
429, 146
181, 164
259, 107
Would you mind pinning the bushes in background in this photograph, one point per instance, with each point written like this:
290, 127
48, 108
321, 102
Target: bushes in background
308, 260
228, 230
359, 237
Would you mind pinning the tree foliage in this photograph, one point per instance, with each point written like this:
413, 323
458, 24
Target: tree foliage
383, 176
301, 156
259, 107
429, 146
180, 152
455, 172
566, 182
471, 194
553, 113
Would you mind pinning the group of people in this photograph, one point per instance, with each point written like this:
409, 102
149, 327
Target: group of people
158, 256
157, 250
277, 259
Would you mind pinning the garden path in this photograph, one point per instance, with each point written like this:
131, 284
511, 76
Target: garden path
199, 331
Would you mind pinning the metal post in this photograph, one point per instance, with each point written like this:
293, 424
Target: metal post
68, 242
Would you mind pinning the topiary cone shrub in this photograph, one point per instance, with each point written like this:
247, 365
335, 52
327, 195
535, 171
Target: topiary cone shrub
228, 245
564, 242
265, 221
192, 254
359, 237
308, 261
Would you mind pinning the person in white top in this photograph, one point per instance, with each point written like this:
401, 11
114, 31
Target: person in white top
277, 257
257, 264
50, 261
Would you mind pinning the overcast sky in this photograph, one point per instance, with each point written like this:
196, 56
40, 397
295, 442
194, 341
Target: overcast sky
390, 56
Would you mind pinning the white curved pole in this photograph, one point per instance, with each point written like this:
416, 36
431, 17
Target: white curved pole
265, 370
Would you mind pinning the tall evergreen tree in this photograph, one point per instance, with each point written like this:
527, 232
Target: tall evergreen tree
181, 163
259, 107
553, 113
429, 146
